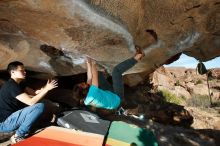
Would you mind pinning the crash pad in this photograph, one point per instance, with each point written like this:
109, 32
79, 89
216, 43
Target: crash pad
58, 136
85, 121
124, 134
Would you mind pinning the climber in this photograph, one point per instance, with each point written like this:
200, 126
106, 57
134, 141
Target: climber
97, 93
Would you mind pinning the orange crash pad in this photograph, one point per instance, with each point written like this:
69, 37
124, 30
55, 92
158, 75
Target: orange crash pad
58, 136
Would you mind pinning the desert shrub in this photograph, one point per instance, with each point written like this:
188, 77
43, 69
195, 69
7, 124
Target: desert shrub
199, 101
216, 104
211, 78
177, 83
169, 97
198, 82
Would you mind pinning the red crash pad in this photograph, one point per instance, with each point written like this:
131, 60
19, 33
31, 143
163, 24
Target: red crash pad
58, 136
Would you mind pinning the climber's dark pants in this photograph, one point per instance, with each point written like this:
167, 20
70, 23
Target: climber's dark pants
117, 80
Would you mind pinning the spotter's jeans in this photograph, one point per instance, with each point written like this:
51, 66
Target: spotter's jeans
22, 120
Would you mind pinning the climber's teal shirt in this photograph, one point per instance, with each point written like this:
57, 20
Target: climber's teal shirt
102, 98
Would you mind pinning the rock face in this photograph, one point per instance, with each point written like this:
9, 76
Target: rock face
53, 36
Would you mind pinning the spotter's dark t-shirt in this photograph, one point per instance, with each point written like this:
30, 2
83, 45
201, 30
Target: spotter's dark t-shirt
8, 102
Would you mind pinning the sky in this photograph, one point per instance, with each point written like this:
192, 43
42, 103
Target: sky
190, 62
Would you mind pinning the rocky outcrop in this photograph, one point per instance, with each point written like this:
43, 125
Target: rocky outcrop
162, 78
186, 83
205, 118
106, 31
215, 73
165, 113
153, 106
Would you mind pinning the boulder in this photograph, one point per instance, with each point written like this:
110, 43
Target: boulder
54, 36
161, 78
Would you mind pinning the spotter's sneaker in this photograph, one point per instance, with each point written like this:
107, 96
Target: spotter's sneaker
14, 139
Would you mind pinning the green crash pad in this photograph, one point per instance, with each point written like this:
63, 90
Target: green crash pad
124, 134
